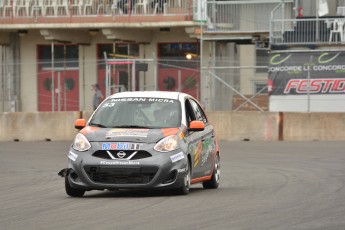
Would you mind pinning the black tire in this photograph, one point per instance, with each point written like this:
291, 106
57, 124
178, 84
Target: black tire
73, 192
184, 190
215, 179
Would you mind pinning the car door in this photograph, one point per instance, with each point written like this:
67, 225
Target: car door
204, 144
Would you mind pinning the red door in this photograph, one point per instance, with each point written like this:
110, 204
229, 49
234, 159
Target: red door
65, 95
183, 80
58, 90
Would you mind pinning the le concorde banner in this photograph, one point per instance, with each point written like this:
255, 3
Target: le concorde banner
292, 73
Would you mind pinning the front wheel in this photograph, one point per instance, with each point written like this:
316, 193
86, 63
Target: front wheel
73, 192
215, 179
184, 190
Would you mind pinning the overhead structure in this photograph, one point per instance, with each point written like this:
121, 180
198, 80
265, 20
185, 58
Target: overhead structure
121, 34
73, 36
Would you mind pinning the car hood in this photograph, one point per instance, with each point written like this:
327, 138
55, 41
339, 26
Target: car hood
95, 134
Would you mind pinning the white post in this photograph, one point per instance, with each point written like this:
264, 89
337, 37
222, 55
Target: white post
179, 80
133, 76
107, 73
58, 89
309, 67
52, 84
155, 71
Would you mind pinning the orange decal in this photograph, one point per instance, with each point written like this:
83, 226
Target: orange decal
89, 129
201, 179
169, 131
184, 130
197, 153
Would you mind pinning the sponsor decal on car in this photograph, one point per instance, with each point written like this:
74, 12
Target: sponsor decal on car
163, 100
197, 153
127, 133
119, 163
72, 156
208, 145
177, 157
120, 146
181, 170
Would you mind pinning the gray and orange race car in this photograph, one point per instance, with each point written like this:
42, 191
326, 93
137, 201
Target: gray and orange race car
143, 140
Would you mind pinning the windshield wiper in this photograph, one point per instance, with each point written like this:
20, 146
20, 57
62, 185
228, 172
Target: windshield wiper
98, 125
132, 126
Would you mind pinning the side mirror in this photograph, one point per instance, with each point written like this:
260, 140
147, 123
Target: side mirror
196, 126
80, 123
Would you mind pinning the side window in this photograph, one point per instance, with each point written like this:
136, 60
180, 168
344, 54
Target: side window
189, 112
199, 113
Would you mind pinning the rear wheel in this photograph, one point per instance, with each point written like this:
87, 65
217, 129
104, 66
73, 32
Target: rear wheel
215, 179
184, 190
73, 192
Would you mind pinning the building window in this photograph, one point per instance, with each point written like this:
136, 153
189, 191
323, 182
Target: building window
262, 59
174, 55
65, 56
123, 50
260, 87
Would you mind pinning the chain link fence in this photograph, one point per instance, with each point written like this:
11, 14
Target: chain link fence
222, 84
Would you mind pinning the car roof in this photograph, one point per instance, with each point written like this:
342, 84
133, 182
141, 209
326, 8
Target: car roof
154, 94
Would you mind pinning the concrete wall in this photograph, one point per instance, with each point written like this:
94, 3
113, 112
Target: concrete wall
38, 126
314, 126
230, 126
235, 126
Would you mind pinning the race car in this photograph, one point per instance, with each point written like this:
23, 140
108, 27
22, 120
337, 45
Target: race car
143, 140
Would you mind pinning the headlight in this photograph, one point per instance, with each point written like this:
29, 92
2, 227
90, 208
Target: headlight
81, 143
167, 144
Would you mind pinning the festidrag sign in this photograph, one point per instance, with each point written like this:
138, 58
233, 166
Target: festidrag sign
307, 81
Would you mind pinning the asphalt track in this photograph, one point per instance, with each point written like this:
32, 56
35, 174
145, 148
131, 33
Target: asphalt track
264, 185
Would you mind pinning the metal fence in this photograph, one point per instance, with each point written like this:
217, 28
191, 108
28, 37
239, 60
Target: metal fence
66, 87
245, 16
89, 8
308, 31
234, 85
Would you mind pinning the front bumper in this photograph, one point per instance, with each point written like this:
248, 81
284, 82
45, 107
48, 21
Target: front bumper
161, 170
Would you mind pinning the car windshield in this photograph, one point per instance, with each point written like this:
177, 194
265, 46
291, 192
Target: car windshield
138, 112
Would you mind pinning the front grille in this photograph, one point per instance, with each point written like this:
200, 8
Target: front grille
108, 154
121, 175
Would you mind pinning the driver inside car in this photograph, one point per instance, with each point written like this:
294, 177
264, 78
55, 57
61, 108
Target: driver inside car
166, 117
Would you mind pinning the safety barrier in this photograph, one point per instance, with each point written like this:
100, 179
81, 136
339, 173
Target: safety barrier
38, 126
229, 126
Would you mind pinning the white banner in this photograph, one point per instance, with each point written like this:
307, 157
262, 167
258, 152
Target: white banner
323, 8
